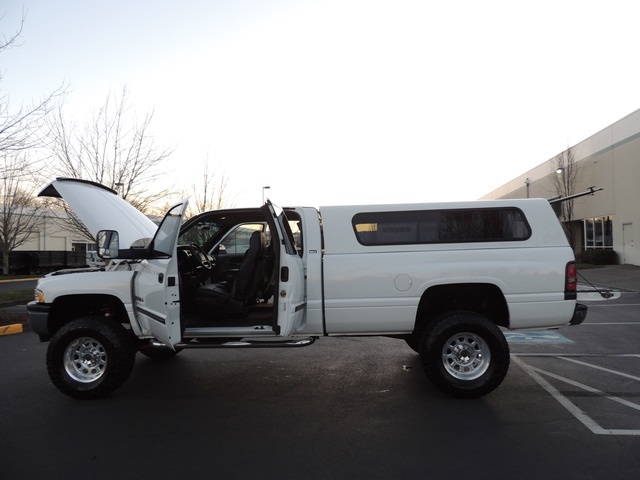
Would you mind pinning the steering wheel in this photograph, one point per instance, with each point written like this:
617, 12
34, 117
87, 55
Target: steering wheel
201, 259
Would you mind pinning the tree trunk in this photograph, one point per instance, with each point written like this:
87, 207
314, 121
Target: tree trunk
5, 262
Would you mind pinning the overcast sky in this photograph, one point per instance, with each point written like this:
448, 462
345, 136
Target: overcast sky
346, 101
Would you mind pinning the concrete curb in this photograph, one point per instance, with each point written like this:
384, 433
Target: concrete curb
9, 280
12, 329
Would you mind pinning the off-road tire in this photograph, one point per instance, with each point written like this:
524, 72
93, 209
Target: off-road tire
464, 354
90, 357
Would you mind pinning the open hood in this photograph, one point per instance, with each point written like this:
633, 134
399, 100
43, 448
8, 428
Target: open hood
100, 208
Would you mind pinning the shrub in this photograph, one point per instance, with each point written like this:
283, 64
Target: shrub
599, 257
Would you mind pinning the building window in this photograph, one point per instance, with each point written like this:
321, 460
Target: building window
597, 232
83, 247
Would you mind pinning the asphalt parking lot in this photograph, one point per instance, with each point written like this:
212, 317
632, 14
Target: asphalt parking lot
341, 408
593, 370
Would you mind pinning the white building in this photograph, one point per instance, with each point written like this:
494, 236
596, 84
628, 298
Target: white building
52, 234
609, 159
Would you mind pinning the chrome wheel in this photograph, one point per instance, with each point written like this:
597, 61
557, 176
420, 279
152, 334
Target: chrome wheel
466, 356
90, 357
85, 360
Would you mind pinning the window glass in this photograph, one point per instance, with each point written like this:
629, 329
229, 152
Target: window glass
598, 232
237, 241
588, 232
163, 242
200, 233
441, 226
295, 224
608, 236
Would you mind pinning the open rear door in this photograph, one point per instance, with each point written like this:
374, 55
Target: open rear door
156, 286
290, 293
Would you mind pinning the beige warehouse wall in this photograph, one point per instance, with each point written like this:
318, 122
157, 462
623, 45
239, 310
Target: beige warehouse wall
609, 159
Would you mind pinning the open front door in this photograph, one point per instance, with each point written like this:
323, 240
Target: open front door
290, 292
156, 286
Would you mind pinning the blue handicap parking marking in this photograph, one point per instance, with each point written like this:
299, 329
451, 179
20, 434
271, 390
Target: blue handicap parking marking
536, 337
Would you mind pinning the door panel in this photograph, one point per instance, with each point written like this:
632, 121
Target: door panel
156, 286
290, 292
156, 301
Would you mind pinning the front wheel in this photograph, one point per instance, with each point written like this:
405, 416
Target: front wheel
90, 357
465, 355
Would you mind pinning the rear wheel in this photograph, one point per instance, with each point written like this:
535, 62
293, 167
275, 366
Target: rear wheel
465, 355
90, 357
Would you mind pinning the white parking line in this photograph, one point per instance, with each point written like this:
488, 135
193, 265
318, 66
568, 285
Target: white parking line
609, 323
614, 305
598, 367
586, 420
586, 355
589, 389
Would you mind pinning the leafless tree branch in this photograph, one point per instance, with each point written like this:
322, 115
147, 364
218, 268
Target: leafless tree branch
565, 182
20, 212
113, 148
212, 193
12, 40
24, 127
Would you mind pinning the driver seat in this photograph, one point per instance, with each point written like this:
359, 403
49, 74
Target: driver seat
233, 297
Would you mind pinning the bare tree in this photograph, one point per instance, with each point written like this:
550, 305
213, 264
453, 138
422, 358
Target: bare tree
115, 148
22, 130
212, 194
20, 212
565, 181
12, 39
24, 127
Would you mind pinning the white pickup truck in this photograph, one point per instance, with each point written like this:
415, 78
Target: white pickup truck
446, 278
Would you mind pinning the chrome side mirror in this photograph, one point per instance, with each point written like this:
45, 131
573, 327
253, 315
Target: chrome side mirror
108, 244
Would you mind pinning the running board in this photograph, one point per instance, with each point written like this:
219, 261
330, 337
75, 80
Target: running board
226, 332
250, 343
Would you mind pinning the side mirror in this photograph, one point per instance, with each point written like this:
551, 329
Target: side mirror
108, 244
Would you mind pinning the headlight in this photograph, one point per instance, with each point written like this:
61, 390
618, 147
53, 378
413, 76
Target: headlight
39, 296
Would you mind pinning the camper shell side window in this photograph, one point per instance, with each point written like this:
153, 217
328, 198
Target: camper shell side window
441, 226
